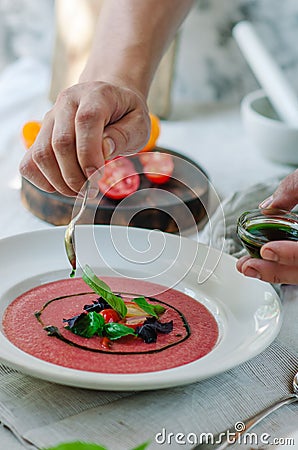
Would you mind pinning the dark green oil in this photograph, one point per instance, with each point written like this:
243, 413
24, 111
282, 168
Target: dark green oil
267, 232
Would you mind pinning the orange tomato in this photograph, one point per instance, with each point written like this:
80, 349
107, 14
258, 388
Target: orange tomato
154, 133
29, 132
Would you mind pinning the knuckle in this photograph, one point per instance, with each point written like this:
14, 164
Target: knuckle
83, 150
86, 115
40, 155
106, 90
64, 96
289, 186
62, 140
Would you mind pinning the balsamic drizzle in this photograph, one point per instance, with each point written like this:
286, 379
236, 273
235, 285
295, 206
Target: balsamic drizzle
53, 331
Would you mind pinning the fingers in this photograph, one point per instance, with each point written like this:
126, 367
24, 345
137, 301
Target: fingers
64, 144
89, 123
282, 252
127, 139
90, 120
279, 263
30, 171
39, 164
286, 195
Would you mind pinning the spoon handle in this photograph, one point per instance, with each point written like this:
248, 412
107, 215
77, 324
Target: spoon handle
232, 436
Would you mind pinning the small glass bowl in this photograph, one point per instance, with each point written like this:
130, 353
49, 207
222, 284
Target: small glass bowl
257, 227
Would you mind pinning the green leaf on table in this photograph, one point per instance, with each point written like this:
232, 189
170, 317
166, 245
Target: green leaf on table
153, 310
115, 330
102, 289
142, 446
78, 445
87, 325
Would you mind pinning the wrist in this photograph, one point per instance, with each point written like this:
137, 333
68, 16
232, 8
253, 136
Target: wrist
137, 82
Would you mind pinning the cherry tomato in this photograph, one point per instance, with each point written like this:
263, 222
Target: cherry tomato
110, 315
158, 167
29, 132
119, 179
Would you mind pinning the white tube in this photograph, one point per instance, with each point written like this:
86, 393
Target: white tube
267, 72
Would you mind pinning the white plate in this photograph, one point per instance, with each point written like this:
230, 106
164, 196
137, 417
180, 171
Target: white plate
248, 311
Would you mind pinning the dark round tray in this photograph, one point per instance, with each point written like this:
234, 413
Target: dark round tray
174, 206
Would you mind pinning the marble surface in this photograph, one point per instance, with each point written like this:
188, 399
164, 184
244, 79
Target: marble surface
26, 30
209, 64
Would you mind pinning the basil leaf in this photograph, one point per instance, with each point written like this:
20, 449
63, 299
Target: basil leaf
153, 310
73, 320
102, 289
115, 330
76, 446
97, 305
161, 327
87, 325
148, 331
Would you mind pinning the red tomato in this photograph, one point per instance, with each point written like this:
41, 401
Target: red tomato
110, 315
106, 343
119, 179
158, 167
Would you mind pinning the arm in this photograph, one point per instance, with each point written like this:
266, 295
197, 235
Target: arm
279, 263
130, 40
106, 113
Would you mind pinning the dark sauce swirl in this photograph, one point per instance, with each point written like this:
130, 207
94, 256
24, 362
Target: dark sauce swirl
53, 331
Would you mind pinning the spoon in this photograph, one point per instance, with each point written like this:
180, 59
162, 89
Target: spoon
69, 238
231, 436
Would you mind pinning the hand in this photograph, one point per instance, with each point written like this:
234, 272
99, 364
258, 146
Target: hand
279, 263
89, 123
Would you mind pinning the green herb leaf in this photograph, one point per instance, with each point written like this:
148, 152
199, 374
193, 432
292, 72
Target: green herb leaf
102, 289
114, 330
78, 445
87, 325
142, 446
153, 310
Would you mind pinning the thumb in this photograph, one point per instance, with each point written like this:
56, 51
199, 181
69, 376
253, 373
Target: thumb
286, 195
124, 137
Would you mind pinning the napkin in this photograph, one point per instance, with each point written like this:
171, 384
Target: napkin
41, 414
